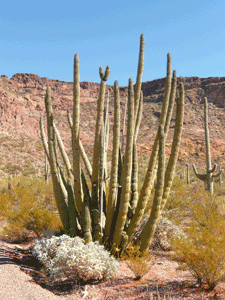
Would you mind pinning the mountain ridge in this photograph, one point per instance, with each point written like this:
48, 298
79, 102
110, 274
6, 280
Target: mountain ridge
22, 104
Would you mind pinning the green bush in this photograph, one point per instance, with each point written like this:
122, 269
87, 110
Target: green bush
26, 211
202, 250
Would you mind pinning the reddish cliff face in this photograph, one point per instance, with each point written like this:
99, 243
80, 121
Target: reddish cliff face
22, 104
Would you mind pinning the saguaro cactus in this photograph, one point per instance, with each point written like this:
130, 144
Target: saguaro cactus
208, 176
81, 208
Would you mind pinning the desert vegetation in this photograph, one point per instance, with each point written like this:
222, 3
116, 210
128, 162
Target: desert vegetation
117, 205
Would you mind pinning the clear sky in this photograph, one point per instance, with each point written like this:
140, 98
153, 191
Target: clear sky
41, 37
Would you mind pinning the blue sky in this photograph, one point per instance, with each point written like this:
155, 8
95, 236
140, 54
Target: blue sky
42, 37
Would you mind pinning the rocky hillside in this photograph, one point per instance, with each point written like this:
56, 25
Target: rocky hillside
22, 104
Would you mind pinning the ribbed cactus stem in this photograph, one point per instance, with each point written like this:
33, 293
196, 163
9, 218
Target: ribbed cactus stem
150, 174
60, 196
208, 176
113, 185
134, 183
171, 166
43, 138
75, 137
86, 211
137, 90
124, 125
171, 103
97, 142
81, 149
103, 162
46, 169
188, 174
63, 153
97, 149
127, 169
146, 236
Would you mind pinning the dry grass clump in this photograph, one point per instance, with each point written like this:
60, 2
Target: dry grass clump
137, 262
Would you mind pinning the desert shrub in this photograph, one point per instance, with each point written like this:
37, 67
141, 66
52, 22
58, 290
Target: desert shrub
24, 211
202, 251
137, 261
71, 258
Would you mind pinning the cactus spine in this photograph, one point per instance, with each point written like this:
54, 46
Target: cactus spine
81, 206
208, 176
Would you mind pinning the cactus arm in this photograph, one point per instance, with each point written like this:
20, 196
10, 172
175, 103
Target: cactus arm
218, 174
85, 159
139, 117
188, 174
46, 169
97, 142
175, 147
213, 169
63, 152
43, 138
146, 236
199, 176
134, 182
106, 140
124, 124
86, 212
171, 103
73, 214
58, 191
137, 90
81, 149
75, 137
102, 161
127, 169
150, 174
70, 121
113, 185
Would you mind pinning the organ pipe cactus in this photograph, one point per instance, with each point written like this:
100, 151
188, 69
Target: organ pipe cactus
80, 206
208, 176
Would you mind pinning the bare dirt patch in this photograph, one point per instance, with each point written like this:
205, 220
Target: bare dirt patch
163, 281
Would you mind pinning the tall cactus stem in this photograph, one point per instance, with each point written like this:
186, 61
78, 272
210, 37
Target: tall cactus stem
124, 125
146, 236
75, 137
127, 169
137, 90
208, 176
113, 185
188, 174
171, 166
60, 196
103, 162
97, 145
150, 174
43, 138
81, 149
63, 152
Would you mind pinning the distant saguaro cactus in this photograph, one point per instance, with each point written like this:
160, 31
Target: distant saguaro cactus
113, 217
188, 174
208, 176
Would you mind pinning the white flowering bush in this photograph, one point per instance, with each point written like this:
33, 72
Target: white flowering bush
70, 257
